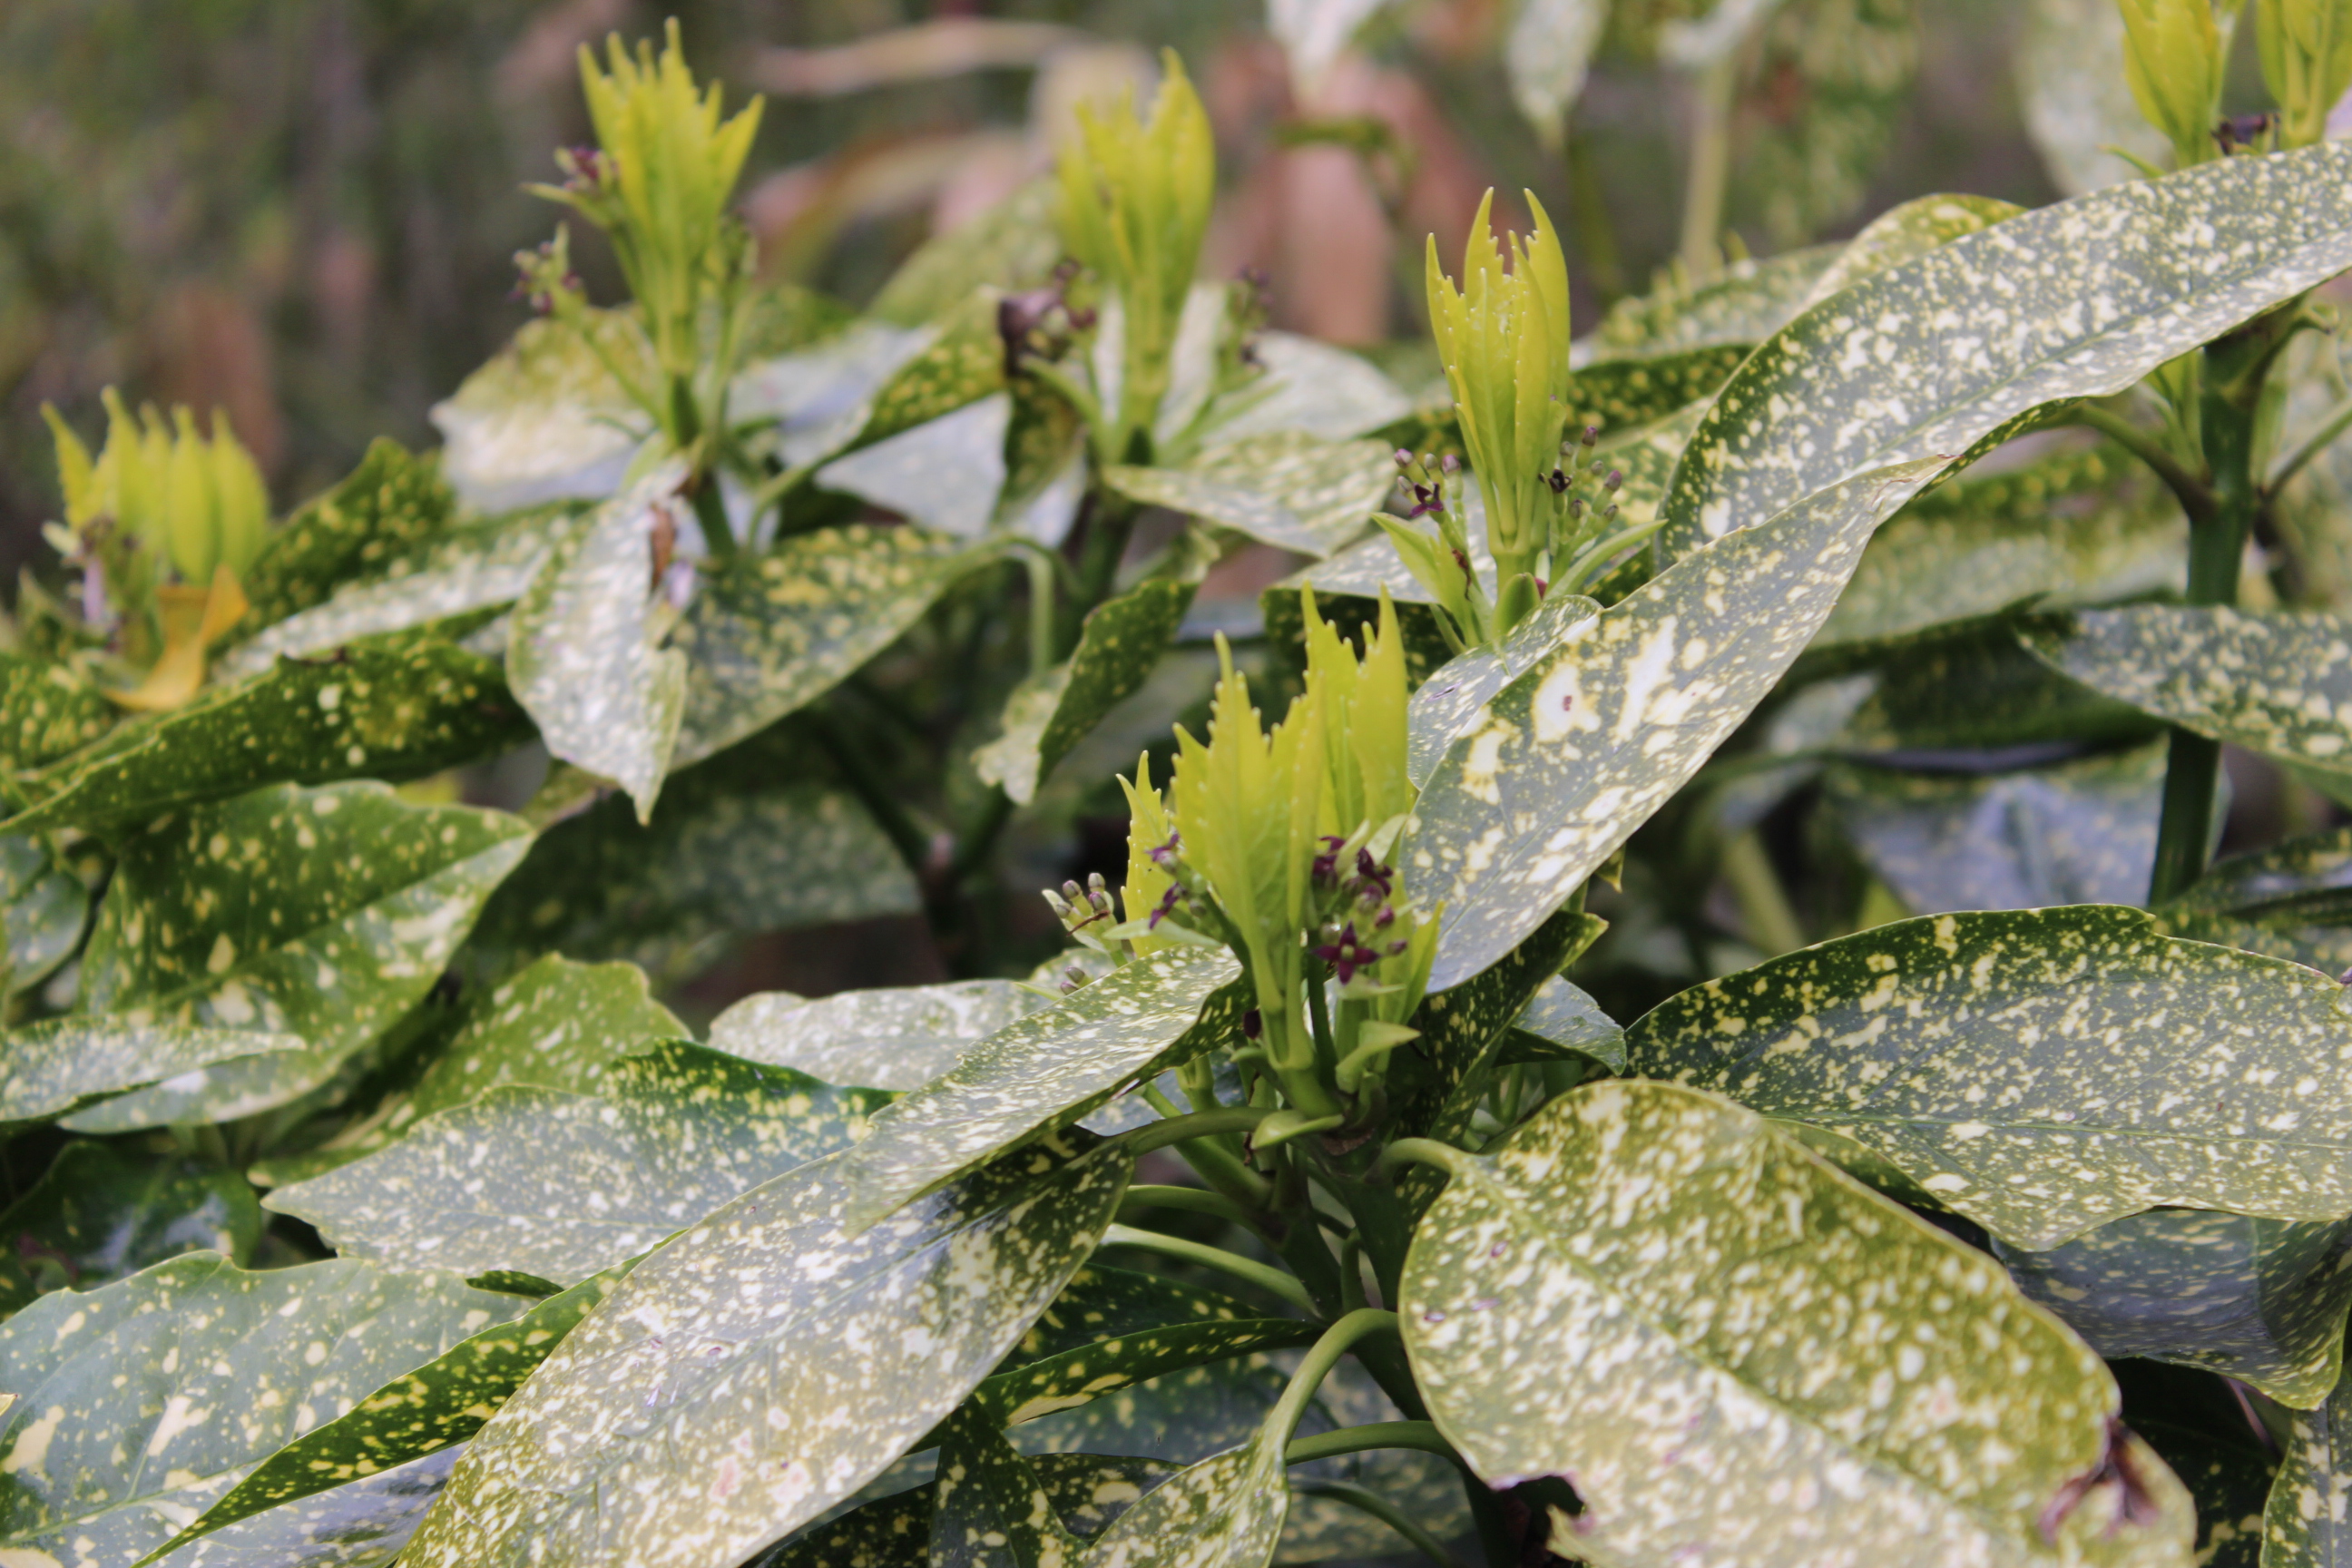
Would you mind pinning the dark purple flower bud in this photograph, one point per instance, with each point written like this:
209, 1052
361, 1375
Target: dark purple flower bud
1253, 1027
1558, 481
1613, 481
1165, 855
1385, 918
1403, 458
1168, 902
1592, 435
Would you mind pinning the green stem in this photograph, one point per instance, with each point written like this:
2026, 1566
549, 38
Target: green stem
1316, 1363
2336, 424
1710, 167
1199, 1124
1387, 1512
1428, 1151
1190, 1200
2195, 497
1422, 1435
710, 510
1110, 519
1764, 909
1274, 1281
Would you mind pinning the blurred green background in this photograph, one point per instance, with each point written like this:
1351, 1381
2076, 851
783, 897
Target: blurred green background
304, 210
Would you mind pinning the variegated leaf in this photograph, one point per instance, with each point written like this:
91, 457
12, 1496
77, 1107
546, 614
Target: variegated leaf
1560, 1020
324, 914
2278, 683
2042, 1071
944, 475
1741, 306
1087, 1492
375, 711
544, 420
1453, 698
772, 634
899, 1037
2261, 1300
2075, 301
1550, 43
1043, 1073
390, 502
2308, 1523
362, 1523
1625, 391
1576, 753
2077, 97
1224, 1512
44, 907
60, 1065
1829, 85
49, 708
1728, 1347
766, 1364
559, 1187
102, 1211
1292, 491
140, 1404
819, 396
1049, 714
1913, 228
584, 650
1312, 388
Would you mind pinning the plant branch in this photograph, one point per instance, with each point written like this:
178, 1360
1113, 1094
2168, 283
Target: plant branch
1387, 1512
1422, 1435
1272, 1280
1160, 1134
1710, 167
2195, 498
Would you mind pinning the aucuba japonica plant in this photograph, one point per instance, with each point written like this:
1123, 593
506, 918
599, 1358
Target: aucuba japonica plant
1666, 994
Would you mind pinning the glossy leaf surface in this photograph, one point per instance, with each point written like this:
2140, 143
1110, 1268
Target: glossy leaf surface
900, 1037
102, 1212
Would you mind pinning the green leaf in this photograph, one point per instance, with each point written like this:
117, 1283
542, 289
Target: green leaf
1047, 715
2077, 97
1292, 491
819, 396
44, 906
2230, 1481
2042, 1071
1012, 246
2271, 683
1453, 696
391, 501
423, 1411
1829, 85
1560, 1022
1085, 1372
535, 1180
324, 914
990, 1507
544, 420
362, 1523
2075, 301
1728, 1347
2080, 832
899, 1037
1312, 388
1087, 1492
102, 1212
473, 569
747, 842
1101, 1304
1227, 1510
1634, 389
48, 710
1745, 303
1577, 752
1550, 43
1043, 1073
768, 636
114, 1438
2076, 528
2261, 1300
554, 1025
1913, 228
59, 1065
2310, 877
2308, 1523
944, 475
961, 362
1968, 684
635, 1441
373, 712
584, 650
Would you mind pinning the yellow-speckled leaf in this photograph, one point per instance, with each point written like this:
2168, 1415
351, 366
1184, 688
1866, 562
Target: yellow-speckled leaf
558, 1187
1457, 690
1729, 1349
390, 502
1087, 1490
1747, 303
899, 1037
140, 1404
1827, 87
2081, 832
1575, 754
2308, 1523
2076, 528
1561, 1023
768, 636
374, 711
1624, 391
2261, 1300
323, 914
1043, 1073
2307, 878
1295, 491
421, 1412
1224, 1512
554, 1025
1051, 712
2042, 1071
48, 710
1011, 245
59, 1065
44, 907
765, 1365
360, 1524
584, 651
544, 420
102, 1211
2279, 683
2075, 301
1900, 232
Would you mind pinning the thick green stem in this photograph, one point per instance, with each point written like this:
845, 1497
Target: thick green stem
1316, 1363
710, 511
2217, 548
1418, 1435
1710, 167
1199, 1124
1188, 1200
1274, 1281
2195, 498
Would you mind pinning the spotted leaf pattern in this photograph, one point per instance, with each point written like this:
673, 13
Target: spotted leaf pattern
1286, 488
2042, 1071
2308, 1522
1224, 1512
1741, 306
2079, 300
768, 1363
102, 1212
1043, 1073
1576, 752
323, 914
47, 709
1047, 715
362, 1523
2261, 1300
1087, 1492
114, 1438
391, 501
559, 1186
1728, 1347
897, 1037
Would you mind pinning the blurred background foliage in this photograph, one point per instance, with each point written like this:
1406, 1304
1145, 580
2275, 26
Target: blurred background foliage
304, 210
